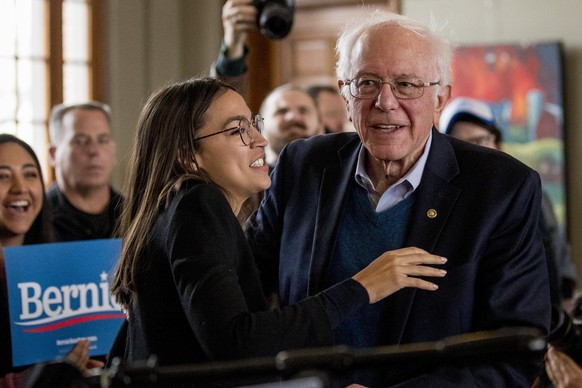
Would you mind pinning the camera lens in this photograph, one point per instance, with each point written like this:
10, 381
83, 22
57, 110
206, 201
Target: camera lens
276, 19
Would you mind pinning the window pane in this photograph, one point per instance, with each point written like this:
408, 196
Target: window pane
32, 91
9, 127
75, 31
76, 82
35, 135
25, 81
7, 90
7, 28
31, 24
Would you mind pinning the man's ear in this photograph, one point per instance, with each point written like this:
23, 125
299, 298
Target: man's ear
52, 150
443, 97
340, 85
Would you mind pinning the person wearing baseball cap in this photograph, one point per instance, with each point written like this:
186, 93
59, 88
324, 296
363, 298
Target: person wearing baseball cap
471, 120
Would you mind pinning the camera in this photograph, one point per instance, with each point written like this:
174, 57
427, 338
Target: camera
275, 17
566, 334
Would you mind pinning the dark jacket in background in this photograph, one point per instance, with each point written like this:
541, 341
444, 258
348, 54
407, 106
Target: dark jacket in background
72, 224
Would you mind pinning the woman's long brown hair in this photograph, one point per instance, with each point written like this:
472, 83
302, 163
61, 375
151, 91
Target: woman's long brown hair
162, 158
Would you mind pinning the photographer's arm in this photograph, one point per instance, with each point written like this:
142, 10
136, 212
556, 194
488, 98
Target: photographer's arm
238, 17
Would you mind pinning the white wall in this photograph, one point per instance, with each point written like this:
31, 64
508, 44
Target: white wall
515, 21
151, 43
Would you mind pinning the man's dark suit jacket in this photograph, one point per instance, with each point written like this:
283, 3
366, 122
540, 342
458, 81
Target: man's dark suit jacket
477, 207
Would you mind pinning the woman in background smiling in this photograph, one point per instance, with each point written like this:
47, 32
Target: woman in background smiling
24, 220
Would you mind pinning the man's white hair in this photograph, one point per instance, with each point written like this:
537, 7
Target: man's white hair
434, 33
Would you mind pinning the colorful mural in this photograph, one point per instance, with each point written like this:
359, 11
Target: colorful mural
523, 85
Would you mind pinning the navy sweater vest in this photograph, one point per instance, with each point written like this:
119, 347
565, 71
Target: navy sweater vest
365, 235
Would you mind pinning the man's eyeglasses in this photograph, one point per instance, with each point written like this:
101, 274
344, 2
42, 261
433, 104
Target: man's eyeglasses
244, 129
404, 88
486, 140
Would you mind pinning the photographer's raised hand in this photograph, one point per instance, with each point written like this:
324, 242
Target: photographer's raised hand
398, 269
238, 17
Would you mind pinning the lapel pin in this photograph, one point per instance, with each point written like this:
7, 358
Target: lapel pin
431, 213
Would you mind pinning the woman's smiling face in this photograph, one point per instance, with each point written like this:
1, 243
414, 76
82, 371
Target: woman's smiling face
21, 193
238, 168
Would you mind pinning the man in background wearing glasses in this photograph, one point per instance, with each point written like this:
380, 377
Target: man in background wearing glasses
401, 187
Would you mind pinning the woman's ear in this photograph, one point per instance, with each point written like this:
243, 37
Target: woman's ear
190, 165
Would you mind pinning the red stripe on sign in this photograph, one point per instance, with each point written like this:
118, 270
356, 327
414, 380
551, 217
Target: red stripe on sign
74, 321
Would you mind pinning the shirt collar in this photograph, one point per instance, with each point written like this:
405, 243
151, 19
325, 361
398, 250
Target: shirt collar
413, 176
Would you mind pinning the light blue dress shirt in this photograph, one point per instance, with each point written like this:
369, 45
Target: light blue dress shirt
399, 190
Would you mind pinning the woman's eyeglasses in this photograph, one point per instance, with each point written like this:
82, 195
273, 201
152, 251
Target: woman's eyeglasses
245, 129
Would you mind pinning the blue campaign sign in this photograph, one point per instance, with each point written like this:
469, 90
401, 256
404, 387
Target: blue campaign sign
58, 293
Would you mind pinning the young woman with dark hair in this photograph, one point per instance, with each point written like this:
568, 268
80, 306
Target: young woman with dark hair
24, 219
